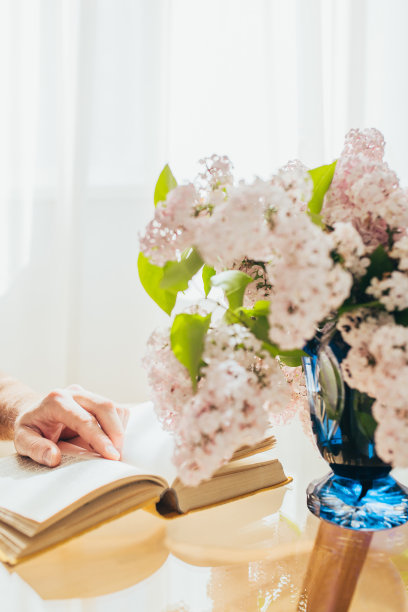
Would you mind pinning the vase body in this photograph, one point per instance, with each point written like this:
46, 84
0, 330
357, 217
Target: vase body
359, 492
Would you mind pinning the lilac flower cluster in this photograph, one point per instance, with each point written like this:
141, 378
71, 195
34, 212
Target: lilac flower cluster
240, 386
169, 381
365, 191
262, 222
377, 364
365, 195
307, 284
305, 267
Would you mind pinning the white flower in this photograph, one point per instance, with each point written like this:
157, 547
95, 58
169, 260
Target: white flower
377, 364
392, 291
241, 385
170, 232
306, 284
365, 191
349, 245
400, 251
168, 379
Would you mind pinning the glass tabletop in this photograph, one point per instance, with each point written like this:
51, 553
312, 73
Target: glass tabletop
263, 552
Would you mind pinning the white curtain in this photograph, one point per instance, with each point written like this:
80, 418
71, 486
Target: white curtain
96, 95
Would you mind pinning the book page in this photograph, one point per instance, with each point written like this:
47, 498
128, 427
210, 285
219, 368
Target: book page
147, 444
38, 492
233, 480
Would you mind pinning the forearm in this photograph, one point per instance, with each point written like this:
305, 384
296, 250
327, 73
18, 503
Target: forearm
15, 398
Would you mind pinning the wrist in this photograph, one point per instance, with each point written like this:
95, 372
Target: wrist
15, 400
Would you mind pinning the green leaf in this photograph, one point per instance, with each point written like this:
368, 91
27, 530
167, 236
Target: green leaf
331, 387
187, 341
256, 319
401, 317
296, 528
271, 348
380, 263
292, 358
367, 424
234, 283
165, 183
260, 309
317, 219
347, 306
151, 277
208, 273
322, 178
176, 274
259, 326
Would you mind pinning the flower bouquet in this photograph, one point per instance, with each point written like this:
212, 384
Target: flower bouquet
308, 267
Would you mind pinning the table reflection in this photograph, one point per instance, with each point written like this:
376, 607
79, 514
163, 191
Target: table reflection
264, 552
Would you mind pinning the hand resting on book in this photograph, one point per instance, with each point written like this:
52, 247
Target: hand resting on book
64, 414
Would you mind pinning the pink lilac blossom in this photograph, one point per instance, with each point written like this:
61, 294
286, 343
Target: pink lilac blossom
298, 406
296, 181
307, 285
377, 364
391, 434
373, 232
171, 231
261, 228
226, 223
216, 173
176, 220
365, 190
237, 228
400, 251
358, 327
348, 243
168, 379
369, 142
240, 387
389, 349
392, 290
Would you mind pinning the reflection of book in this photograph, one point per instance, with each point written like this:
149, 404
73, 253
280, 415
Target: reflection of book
42, 506
250, 530
116, 556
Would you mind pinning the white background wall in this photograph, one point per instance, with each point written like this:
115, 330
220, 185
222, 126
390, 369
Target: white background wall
96, 96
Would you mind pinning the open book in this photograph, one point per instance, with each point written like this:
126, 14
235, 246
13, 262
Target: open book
41, 506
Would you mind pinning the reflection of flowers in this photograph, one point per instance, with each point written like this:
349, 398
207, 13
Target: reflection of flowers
260, 585
291, 254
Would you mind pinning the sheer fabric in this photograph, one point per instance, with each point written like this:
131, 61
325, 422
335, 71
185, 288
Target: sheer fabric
98, 94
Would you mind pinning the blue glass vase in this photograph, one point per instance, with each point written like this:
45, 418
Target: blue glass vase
359, 492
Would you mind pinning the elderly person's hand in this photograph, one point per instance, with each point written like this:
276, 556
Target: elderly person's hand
64, 414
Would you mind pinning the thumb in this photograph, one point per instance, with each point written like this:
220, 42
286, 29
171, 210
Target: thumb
30, 443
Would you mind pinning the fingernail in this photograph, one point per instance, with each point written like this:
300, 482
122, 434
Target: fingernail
48, 456
112, 451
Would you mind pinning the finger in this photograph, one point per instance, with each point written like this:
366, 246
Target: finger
110, 417
30, 443
64, 409
124, 414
